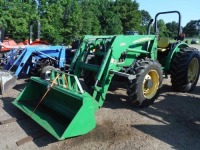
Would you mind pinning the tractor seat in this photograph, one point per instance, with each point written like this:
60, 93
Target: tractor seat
163, 43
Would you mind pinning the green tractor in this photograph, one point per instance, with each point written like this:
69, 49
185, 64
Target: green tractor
65, 109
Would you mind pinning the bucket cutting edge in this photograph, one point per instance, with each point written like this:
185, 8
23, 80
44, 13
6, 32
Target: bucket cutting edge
7, 81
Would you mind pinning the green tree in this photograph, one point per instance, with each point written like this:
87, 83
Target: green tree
109, 20
51, 23
172, 28
72, 20
62, 20
113, 24
145, 19
16, 17
162, 28
91, 24
192, 28
129, 14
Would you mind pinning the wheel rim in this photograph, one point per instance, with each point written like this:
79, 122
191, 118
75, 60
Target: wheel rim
47, 75
150, 84
193, 70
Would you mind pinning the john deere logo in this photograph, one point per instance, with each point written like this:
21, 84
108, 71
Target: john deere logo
123, 44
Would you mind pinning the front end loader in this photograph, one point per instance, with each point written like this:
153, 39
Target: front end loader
65, 106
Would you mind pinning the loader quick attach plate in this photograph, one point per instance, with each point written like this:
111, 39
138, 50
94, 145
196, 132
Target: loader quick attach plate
65, 111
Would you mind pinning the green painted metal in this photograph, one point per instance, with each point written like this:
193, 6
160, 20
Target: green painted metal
137, 51
112, 49
94, 68
171, 54
63, 113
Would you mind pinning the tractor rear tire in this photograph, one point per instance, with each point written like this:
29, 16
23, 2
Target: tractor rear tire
184, 69
143, 90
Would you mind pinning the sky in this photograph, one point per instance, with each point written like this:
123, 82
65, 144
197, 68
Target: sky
189, 9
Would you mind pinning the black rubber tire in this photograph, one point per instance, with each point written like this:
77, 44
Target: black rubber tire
43, 74
179, 69
135, 87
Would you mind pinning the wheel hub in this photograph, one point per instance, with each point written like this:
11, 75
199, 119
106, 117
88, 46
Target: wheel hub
47, 75
148, 82
193, 70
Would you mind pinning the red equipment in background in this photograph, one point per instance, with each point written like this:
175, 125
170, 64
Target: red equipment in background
10, 42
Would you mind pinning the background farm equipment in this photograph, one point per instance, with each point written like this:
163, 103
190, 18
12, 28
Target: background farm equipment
65, 109
31, 57
34, 60
9, 47
6, 40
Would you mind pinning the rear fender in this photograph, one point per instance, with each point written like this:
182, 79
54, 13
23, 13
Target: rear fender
173, 51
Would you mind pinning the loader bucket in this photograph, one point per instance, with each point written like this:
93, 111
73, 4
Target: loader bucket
63, 112
7, 81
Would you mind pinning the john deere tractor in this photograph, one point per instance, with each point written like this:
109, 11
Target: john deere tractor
65, 109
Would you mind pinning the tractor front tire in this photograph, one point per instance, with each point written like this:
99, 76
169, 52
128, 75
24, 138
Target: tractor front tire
143, 90
184, 69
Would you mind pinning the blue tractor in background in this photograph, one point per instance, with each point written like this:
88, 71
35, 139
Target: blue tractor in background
36, 60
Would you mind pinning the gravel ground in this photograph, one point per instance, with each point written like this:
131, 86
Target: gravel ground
172, 122
195, 46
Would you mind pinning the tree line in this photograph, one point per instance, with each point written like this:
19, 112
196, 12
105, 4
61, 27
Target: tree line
63, 20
